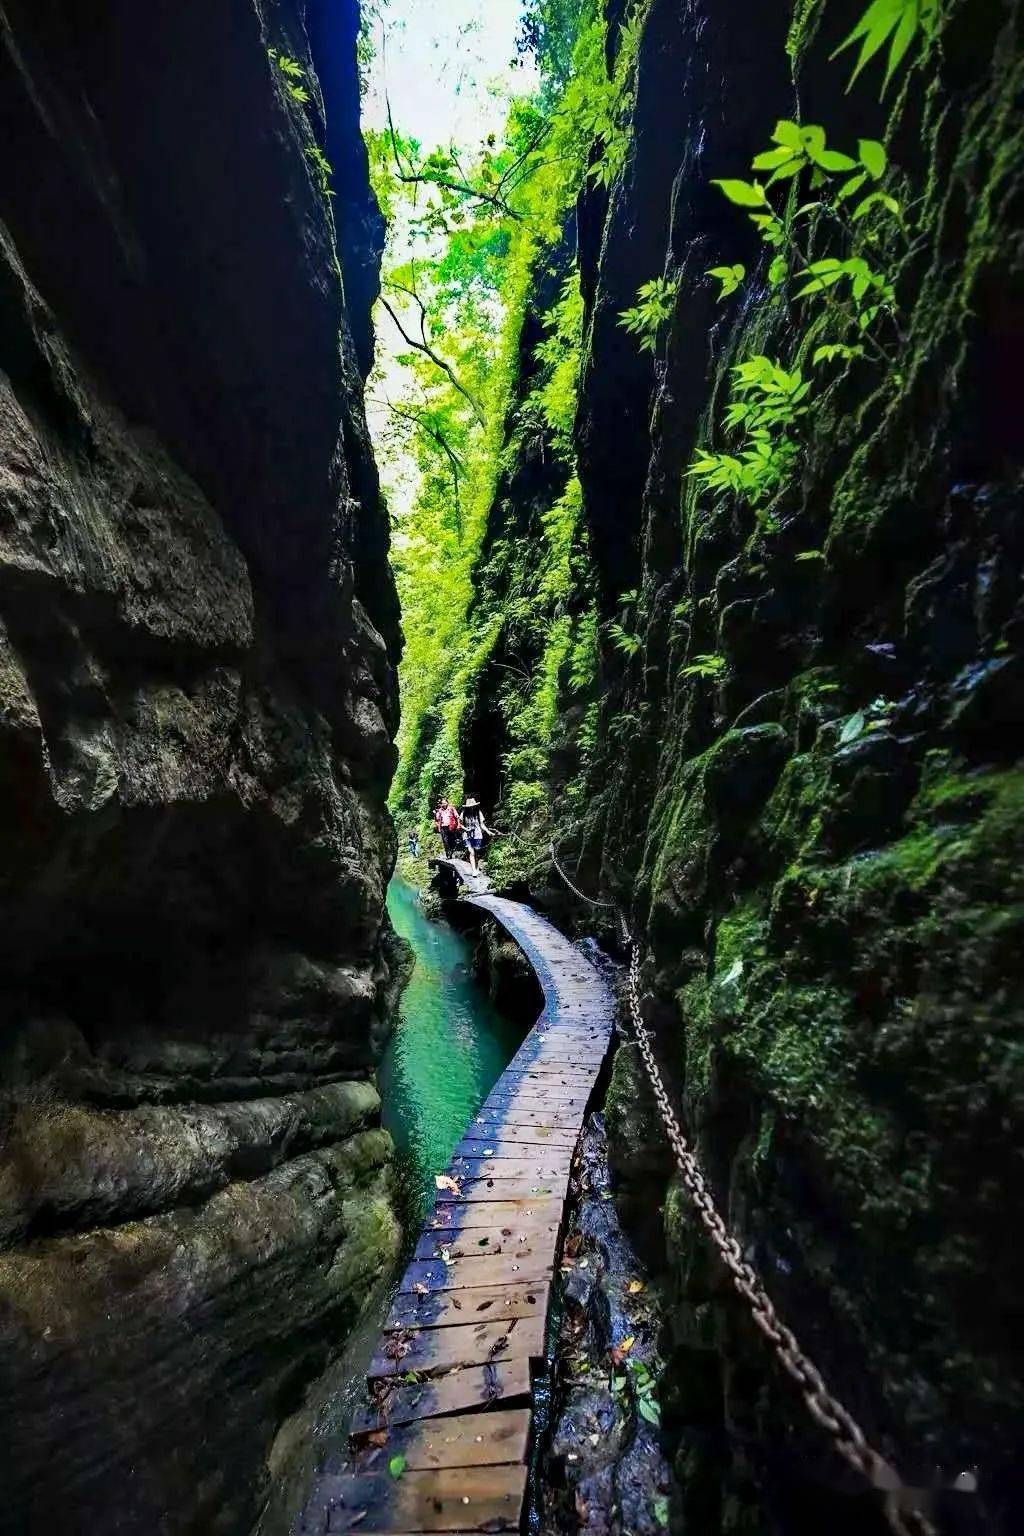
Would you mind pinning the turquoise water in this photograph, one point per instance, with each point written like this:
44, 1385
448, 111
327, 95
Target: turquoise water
448, 1048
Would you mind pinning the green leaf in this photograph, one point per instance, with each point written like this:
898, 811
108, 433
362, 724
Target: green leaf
872, 157
894, 21
809, 554
872, 200
851, 185
831, 160
853, 728
746, 194
659, 1509
729, 277
396, 1466
649, 1410
777, 271
772, 158
788, 133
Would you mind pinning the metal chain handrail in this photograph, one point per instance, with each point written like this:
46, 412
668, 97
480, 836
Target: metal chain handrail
846, 1434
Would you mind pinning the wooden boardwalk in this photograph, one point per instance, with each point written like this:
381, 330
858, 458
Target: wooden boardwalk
441, 1444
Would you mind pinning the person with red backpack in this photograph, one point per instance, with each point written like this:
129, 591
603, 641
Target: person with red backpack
448, 823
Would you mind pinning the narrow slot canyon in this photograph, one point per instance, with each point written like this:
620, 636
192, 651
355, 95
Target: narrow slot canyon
511, 704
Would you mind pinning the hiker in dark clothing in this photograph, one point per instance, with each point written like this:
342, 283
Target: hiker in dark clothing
475, 828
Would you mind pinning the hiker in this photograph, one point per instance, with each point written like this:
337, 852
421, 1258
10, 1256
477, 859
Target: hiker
475, 828
446, 820
414, 842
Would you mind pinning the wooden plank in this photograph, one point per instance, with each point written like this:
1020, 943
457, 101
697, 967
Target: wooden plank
537, 1135
461, 1274
507, 1104
554, 1119
464, 1440
498, 1147
527, 1186
441, 1349
452, 1499
482, 1387
529, 1088
449, 1309
541, 1165
518, 1214
463, 1243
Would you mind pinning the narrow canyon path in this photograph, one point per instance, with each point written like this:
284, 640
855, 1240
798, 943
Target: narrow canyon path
441, 1443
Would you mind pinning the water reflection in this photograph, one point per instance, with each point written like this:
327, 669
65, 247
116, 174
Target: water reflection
448, 1048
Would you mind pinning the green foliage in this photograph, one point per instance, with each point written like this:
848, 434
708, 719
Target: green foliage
629, 645
767, 402
709, 665
471, 237
321, 168
896, 22
729, 278
655, 301
559, 352
294, 75
824, 194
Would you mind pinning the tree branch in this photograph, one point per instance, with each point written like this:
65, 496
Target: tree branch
427, 349
457, 465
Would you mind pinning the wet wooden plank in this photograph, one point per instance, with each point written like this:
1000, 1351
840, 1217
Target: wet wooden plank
463, 1440
527, 1186
449, 1499
464, 1242
553, 1119
492, 1213
477, 1387
531, 1263
499, 1147
542, 1165
441, 1349
535, 1135
449, 1309
530, 1088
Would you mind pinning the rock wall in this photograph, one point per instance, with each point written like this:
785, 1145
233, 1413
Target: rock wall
819, 835
803, 780
198, 633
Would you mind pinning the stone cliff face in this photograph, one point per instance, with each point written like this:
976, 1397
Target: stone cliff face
198, 633
820, 834
803, 783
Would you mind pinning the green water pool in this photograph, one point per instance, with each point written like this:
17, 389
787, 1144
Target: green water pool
448, 1048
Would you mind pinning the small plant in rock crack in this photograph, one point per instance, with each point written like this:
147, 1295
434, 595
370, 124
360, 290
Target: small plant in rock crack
654, 304
321, 168
645, 1390
708, 664
294, 75
623, 641
768, 400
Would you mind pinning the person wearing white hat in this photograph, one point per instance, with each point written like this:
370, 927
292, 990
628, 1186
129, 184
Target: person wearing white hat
475, 828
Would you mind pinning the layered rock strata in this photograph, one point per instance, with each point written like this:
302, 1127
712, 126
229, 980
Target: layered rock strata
197, 640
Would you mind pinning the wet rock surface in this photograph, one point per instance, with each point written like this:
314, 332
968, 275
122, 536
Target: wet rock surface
197, 641
820, 843
604, 1467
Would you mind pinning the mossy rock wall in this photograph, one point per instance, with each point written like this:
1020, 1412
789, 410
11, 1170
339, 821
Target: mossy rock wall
832, 912
820, 836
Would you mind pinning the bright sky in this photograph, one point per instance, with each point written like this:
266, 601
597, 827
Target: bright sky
446, 66
440, 62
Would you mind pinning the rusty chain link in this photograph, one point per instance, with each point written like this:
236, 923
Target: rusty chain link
846, 1434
